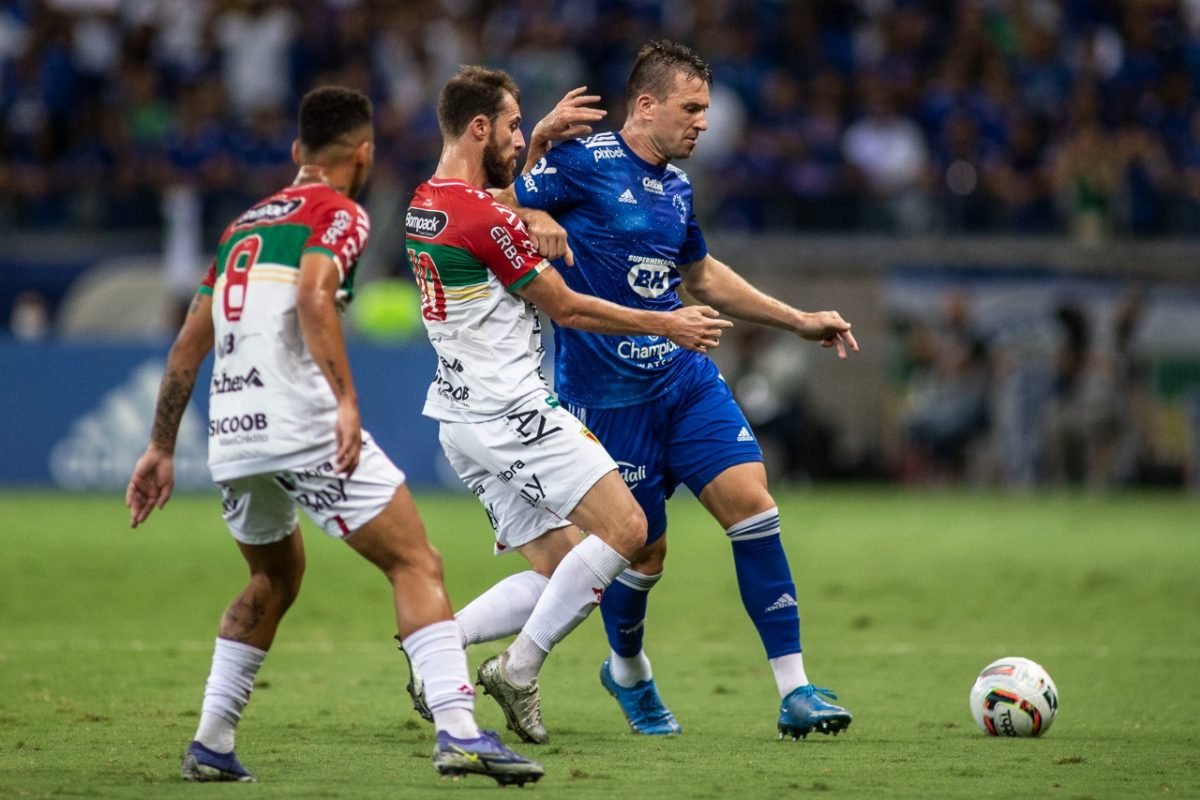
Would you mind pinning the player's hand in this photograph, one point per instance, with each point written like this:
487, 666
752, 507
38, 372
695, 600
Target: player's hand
150, 485
828, 328
348, 429
696, 327
569, 119
548, 236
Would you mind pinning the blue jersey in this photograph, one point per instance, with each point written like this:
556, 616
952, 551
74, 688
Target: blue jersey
631, 225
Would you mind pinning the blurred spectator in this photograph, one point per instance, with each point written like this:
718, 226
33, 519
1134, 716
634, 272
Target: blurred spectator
1092, 418
30, 320
949, 384
895, 116
770, 379
887, 150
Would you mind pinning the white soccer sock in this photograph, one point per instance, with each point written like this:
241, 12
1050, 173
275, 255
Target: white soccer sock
789, 672
230, 682
574, 590
503, 609
629, 672
436, 652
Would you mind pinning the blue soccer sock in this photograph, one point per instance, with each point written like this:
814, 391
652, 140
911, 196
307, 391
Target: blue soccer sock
623, 609
765, 582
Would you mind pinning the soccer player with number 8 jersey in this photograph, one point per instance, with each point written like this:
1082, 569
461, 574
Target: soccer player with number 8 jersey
284, 431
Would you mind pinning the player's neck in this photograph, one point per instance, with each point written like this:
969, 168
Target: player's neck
458, 164
642, 146
311, 173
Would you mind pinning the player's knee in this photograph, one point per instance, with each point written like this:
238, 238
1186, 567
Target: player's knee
628, 530
419, 560
280, 586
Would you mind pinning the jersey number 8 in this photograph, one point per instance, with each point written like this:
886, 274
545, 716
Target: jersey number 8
237, 275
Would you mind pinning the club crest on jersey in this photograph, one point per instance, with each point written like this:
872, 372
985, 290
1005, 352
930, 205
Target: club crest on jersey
681, 207
425, 224
270, 211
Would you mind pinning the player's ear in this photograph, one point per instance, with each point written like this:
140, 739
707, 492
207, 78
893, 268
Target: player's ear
644, 105
362, 153
296, 152
480, 127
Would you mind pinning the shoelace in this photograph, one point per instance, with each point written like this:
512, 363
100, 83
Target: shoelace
810, 690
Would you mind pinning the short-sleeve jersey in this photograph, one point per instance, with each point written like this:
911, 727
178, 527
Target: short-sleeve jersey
470, 254
631, 225
270, 407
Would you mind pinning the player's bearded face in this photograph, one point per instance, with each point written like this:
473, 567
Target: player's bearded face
499, 167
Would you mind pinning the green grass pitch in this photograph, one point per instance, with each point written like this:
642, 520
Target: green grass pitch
106, 633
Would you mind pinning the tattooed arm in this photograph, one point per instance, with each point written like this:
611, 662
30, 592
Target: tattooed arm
322, 330
154, 475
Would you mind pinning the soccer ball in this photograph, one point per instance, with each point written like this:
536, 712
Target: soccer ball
1014, 697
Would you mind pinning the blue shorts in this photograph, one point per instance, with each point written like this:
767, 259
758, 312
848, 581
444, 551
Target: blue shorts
689, 435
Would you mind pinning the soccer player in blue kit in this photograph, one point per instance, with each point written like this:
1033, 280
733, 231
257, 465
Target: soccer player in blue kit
662, 412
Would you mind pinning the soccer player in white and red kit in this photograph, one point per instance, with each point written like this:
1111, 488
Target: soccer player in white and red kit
284, 431
531, 464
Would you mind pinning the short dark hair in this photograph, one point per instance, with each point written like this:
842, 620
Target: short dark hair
654, 69
473, 91
328, 113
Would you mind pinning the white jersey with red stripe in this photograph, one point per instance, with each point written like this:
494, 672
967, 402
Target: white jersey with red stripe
470, 255
270, 406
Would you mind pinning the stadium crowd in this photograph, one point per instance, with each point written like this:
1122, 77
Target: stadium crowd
959, 116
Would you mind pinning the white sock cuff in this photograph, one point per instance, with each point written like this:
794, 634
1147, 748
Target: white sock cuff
435, 633
638, 581
241, 653
759, 526
604, 562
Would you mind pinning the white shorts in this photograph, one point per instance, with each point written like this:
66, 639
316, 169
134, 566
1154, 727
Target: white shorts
261, 509
529, 468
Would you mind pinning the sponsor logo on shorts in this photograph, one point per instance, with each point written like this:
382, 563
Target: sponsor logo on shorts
532, 426
270, 211
510, 472
425, 224
631, 474
317, 498
226, 384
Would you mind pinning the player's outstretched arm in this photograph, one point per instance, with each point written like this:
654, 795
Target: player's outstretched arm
714, 283
569, 119
321, 327
153, 476
693, 327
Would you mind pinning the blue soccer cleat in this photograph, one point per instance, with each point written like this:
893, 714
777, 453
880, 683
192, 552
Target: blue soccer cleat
484, 755
203, 765
803, 712
643, 708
